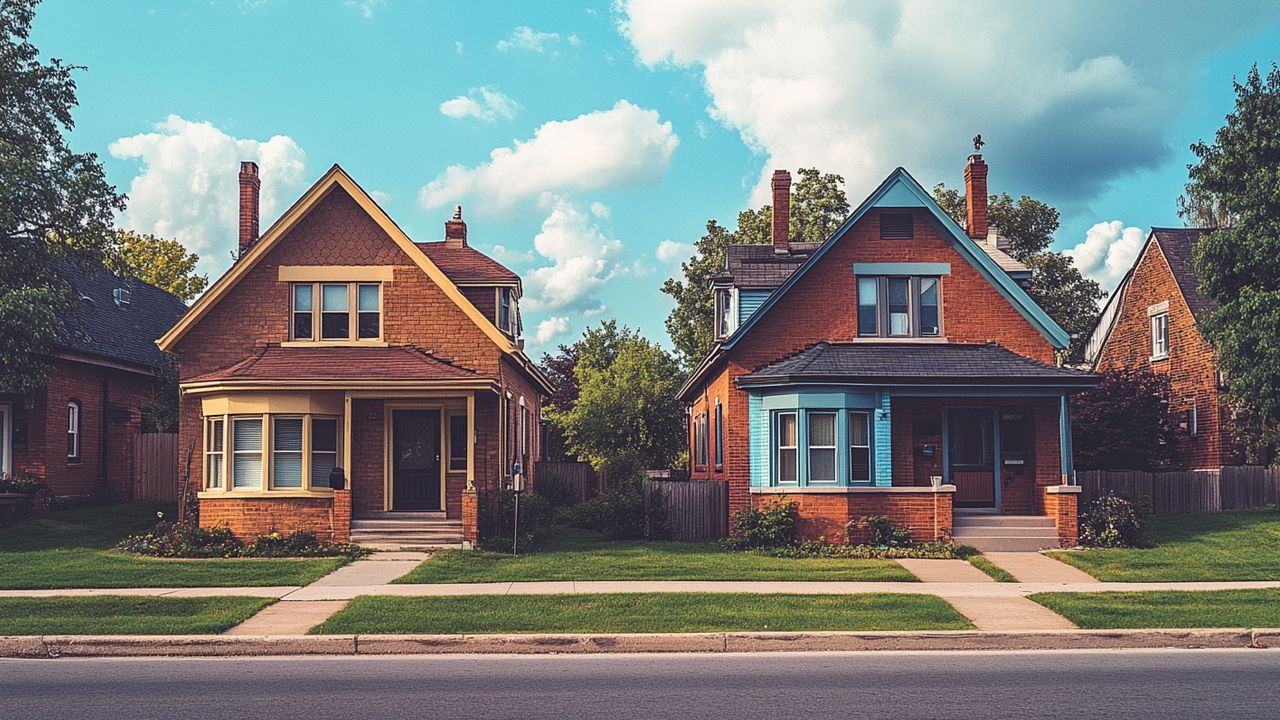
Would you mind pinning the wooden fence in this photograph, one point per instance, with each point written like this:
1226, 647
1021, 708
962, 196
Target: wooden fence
155, 467
698, 510
574, 480
1229, 488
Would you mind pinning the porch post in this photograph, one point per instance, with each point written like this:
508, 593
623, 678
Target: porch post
471, 440
346, 436
470, 497
1064, 440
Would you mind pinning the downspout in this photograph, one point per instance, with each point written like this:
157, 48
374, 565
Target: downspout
102, 440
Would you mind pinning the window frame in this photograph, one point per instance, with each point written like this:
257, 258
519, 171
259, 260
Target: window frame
210, 422
871, 458
777, 447
452, 459
1159, 323
225, 459
719, 450
263, 444
73, 430
725, 320
310, 451
353, 312
809, 447
883, 284
301, 452
504, 306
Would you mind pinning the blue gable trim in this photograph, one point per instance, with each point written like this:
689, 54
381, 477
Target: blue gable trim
902, 190
902, 268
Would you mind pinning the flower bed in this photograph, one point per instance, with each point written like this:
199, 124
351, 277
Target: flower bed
187, 540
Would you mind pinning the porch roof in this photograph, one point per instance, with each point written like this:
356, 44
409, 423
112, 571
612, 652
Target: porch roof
273, 362
911, 363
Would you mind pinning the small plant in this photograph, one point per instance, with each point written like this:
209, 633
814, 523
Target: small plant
535, 518
1111, 521
20, 483
877, 530
772, 525
937, 550
186, 540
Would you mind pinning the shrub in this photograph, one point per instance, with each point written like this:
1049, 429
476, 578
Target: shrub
535, 518
187, 540
877, 530
557, 491
770, 526
1112, 521
620, 513
20, 483
918, 551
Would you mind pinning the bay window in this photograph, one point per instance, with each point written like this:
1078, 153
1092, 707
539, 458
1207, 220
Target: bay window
346, 312
246, 453
817, 447
899, 306
822, 447
859, 447
269, 452
786, 444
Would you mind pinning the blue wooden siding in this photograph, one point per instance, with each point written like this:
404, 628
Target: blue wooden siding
758, 438
882, 437
748, 301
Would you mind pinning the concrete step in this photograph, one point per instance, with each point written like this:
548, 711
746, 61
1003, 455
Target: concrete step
986, 543
403, 547
362, 538
993, 520
406, 525
1003, 531
401, 515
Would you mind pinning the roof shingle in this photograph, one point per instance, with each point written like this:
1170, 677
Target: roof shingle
1178, 245
273, 362
124, 332
466, 263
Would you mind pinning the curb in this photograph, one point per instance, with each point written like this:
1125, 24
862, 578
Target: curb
55, 646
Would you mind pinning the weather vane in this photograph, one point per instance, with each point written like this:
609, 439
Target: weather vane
978, 143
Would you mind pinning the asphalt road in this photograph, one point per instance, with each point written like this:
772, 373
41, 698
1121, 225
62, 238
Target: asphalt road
1077, 685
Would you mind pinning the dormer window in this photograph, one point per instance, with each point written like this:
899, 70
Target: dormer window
346, 312
122, 296
899, 306
504, 309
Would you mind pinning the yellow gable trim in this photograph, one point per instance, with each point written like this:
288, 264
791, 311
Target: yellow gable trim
336, 273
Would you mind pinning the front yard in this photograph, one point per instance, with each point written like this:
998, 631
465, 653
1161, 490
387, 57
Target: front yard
1167, 609
1231, 545
116, 615
583, 555
642, 613
72, 549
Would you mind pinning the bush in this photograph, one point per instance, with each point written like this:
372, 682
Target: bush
20, 483
557, 491
772, 526
535, 518
588, 515
1112, 521
619, 513
877, 530
187, 540
919, 551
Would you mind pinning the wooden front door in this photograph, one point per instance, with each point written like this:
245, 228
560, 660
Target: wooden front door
415, 460
971, 457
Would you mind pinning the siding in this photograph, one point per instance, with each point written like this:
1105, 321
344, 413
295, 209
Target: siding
759, 441
749, 301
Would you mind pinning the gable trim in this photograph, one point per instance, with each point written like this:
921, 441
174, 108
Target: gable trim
894, 186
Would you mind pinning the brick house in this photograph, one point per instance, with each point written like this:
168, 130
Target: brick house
77, 433
896, 369
336, 341
1151, 321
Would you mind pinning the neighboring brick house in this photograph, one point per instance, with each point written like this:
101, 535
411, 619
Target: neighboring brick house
1152, 321
77, 433
336, 341
896, 369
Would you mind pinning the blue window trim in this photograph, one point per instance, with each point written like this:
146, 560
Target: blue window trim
844, 473
909, 268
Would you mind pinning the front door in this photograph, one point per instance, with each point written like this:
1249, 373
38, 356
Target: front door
415, 460
971, 457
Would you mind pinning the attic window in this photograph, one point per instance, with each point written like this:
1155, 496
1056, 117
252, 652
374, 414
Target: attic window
896, 225
122, 296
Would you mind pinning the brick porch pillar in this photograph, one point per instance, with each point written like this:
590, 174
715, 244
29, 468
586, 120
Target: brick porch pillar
1060, 503
340, 516
470, 516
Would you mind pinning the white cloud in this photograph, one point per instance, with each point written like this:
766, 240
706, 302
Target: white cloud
365, 7
486, 103
526, 38
624, 145
551, 329
188, 187
1108, 250
582, 259
509, 256
670, 251
380, 197
1062, 92
457, 47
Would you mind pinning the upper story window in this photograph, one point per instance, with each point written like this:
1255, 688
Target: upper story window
1160, 335
73, 430
346, 312
504, 310
724, 313
899, 306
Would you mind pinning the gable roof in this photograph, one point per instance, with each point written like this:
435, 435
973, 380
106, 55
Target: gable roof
337, 177
902, 190
936, 363
125, 332
466, 264
272, 362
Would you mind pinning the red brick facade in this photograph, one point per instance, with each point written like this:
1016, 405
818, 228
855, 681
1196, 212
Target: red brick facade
825, 517
1191, 363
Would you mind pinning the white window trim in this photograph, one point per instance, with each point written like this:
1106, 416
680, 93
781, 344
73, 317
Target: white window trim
778, 447
1193, 420
353, 315
302, 452
882, 333
209, 453
871, 461
6, 436
1155, 320
810, 447
73, 430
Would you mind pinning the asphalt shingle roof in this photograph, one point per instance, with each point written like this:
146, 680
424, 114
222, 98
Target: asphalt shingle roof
466, 263
1177, 244
757, 266
885, 362
100, 326
273, 362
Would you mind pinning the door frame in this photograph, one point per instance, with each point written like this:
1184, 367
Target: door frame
994, 411
388, 448
6, 435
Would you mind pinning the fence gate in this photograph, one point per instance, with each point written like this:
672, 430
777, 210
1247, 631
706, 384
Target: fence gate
698, 510
155, 468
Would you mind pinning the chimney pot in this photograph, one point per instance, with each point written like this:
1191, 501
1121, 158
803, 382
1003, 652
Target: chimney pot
975, 196
781, 226
455, 230
250, 190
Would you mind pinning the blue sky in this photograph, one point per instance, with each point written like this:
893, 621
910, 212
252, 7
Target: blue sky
589, 143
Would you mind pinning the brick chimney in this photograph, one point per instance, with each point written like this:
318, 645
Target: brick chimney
455, 231
250, 187
781, 212
975, 196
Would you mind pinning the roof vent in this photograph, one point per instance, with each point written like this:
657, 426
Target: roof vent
122, 296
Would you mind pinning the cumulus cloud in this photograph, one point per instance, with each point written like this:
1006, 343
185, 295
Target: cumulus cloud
188, 186
365, 7
485, 103
1065, 97
624, 145
551, 329
1108, 250
526, 38
670, 251
581, 260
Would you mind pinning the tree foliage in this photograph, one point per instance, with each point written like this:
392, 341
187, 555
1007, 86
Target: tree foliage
158, 261
55, 205
1124, 423
626, 417
818, 206
1056, 283
1239, 266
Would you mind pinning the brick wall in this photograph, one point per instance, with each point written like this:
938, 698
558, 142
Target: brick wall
1062, 507
824, 515
251, 517
1191, 364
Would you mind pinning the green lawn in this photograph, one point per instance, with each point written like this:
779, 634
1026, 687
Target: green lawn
642, 613
582, 555
1167, 609
1232, 545
72, 549
996, 572
116, 615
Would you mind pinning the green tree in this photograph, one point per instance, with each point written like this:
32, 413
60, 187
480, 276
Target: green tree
1056, 283
818, 206
1239, 266
55, 205
1124, 423
626, 417
158, 261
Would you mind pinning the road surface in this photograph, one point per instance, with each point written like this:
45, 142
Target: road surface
1077, 685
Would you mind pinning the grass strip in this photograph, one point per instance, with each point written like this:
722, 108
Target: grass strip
120, 615
996, 572
1167, 609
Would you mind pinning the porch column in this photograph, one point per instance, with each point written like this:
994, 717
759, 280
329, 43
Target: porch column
882, 438
1064, 440
470, 497
471, 441
346, 437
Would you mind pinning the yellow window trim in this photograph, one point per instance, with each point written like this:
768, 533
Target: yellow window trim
336, 273
227, 461
334, 343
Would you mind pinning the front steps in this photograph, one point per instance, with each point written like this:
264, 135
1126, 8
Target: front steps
395, 531
989, 532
